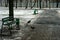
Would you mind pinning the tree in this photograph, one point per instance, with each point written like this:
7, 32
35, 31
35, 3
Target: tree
57, 3
20, 3
16, 3
40, 3
26, 4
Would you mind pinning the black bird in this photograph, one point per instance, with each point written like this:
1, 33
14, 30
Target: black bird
29, 21
32, 27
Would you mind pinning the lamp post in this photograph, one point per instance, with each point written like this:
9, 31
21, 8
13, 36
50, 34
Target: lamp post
11, 14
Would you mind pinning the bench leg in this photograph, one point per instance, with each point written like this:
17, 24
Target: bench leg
1, 29
17, 23
10, 30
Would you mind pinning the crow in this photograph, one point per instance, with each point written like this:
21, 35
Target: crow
31, 26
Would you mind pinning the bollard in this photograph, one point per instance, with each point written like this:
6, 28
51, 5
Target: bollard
17, 23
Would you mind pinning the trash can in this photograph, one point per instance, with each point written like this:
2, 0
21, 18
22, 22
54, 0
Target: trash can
35, 11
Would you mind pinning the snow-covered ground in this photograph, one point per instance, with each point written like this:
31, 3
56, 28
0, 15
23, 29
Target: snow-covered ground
23, 14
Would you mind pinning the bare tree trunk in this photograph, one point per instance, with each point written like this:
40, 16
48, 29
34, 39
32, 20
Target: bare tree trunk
40, 3
57, 3
16, 3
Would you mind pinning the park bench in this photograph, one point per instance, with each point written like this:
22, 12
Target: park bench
10, 23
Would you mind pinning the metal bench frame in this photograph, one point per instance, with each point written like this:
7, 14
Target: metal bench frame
9, 21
